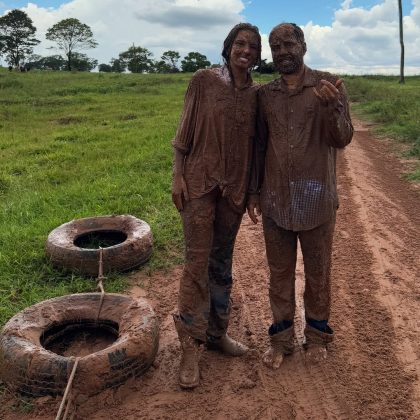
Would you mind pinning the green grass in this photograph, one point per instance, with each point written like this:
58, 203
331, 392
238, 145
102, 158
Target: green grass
77, 145
395, 107
82, 144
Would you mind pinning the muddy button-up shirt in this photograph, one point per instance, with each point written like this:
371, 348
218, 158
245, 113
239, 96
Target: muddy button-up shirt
216, 134
295, 152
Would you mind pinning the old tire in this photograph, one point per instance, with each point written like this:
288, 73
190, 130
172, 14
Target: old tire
28, 368
136, 248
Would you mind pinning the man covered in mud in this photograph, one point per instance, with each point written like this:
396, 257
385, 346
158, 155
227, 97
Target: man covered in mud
303, 118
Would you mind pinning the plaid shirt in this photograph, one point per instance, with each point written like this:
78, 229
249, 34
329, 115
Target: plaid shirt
294, 160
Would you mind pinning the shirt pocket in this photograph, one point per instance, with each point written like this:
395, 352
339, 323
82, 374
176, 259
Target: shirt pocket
307, 116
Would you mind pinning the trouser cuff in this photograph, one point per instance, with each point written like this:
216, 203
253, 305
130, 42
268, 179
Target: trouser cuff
282, 342
315, 336
194, 331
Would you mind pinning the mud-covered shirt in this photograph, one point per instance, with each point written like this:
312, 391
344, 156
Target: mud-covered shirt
216, 134
295, 152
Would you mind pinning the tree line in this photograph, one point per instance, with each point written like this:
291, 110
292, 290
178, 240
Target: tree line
17, 41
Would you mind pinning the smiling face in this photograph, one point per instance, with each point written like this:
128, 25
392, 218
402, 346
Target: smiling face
287, 50
244, 52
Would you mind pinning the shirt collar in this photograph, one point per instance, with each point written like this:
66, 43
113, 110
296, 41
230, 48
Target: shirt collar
308, 81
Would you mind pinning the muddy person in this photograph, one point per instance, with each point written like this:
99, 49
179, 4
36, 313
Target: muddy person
303, 119
213, 150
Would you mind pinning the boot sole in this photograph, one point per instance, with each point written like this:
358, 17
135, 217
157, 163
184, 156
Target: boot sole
213, 347
189, 386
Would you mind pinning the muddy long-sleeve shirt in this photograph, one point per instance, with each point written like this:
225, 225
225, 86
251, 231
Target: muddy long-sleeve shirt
294, 160
216, 134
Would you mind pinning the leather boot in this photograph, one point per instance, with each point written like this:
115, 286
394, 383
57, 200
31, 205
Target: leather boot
189, 373
226, 345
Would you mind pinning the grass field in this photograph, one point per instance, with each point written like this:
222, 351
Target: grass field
81, 144
395, 107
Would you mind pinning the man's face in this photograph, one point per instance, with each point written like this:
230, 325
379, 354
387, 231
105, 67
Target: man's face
286, 50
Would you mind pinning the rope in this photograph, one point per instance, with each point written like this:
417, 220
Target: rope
100, 286
66, 392
99, 280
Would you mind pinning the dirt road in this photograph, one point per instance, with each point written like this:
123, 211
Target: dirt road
373, 367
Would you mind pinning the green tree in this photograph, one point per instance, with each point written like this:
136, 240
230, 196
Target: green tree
170, 58
266, 68
194, 61
161, 67
117, 65
52, 62
82, 62
137, 59
105, 68
71, 35
17, 36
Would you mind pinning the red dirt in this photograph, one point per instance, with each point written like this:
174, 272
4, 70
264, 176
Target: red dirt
372, 370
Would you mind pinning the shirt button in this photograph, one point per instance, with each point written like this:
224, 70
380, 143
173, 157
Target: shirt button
291, 127
291, 110
291, 146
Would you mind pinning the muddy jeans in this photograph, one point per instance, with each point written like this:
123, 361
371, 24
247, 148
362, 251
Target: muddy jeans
210, 229
281, 248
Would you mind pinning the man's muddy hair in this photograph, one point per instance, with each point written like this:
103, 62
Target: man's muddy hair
297, 31
228, 43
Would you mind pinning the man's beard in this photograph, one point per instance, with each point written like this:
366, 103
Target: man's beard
292, 65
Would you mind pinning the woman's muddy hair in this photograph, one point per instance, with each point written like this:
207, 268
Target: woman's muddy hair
228, 43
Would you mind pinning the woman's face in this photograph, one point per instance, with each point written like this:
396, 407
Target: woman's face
244, 52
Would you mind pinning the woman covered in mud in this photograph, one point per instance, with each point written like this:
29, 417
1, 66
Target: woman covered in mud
213, 147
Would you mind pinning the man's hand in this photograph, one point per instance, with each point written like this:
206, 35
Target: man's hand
179, 191
329, 93
253, 207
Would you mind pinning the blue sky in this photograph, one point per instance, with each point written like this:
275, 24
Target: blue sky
344, 36
264, 13
268, 13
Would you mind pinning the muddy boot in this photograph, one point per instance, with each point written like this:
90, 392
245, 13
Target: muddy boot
226, 345
189, 373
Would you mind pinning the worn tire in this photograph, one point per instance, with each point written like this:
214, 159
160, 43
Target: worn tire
131, 253
30, 369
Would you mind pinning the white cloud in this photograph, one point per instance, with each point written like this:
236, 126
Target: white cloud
358, 41
364, 41
159, 25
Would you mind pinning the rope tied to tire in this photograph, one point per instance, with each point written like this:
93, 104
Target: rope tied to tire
99, 281
100, 286
66, 392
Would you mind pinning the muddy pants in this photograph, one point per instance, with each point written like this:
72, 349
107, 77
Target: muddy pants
210, 229
281, 248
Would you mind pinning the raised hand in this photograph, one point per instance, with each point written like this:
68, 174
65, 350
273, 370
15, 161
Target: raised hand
329, 93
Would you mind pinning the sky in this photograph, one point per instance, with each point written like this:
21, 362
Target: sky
343, 36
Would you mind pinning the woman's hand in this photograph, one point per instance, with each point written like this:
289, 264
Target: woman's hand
179, 191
